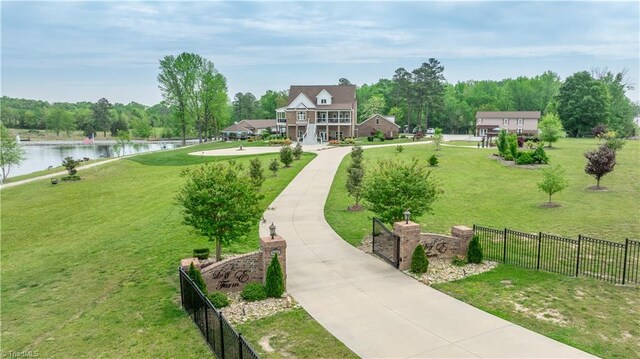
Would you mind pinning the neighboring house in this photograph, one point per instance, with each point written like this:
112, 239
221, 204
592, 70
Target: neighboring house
246, 128
386, 125
489, 124
259, 126
321, 112
235, 131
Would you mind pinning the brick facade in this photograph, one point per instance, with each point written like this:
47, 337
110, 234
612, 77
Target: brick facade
377, 122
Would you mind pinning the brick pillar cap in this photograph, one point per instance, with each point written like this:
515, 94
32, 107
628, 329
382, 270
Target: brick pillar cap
403, 224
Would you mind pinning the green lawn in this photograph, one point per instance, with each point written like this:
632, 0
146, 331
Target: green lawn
90, 268
591, 315
293, 334
479, 190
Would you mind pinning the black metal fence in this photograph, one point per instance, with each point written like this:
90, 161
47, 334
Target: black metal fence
605, 260
223, 340
385, 243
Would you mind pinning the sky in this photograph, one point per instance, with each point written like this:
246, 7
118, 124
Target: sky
82, 51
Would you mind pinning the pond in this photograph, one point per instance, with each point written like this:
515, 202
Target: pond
40, 157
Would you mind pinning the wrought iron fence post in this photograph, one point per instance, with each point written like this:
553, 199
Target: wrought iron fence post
181, 287
397, 252
221, 335
624, 264
206, 320
240, 345
578, 255
539, 249
373, 234
504, 247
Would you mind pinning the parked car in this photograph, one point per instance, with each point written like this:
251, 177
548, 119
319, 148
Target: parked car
431, 131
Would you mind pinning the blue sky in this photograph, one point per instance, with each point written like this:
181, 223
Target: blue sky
81, 51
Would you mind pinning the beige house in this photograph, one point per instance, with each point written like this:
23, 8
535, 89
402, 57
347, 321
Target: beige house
490, 123
246, 128
385, 124
319, 113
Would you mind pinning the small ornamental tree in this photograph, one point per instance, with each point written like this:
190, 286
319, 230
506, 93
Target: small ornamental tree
399, 149
553, 181
274, 283
551, 129
598, 130
395, 186
273, 166
437, 140
11, 153
123, 138
220, 202
297, 151
286, 156
512, 145
419, 260
501, 143
433, 161
70, 165
600, 162
474, 254
196, 276
355, 174
256, 172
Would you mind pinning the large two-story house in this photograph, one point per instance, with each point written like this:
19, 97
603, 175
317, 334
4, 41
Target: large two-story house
490, 123
319, 113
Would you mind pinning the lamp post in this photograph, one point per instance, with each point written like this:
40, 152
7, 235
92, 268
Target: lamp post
272, 230
407, 216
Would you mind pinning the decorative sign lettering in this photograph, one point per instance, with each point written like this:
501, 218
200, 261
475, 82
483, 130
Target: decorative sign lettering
274, 252
229, 277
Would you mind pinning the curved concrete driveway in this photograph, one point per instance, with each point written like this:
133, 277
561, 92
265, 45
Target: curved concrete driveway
374, 309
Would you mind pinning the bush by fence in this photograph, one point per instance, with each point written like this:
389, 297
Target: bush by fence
585, 256
223, 340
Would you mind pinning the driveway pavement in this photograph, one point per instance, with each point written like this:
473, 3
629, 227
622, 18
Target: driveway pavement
370, 306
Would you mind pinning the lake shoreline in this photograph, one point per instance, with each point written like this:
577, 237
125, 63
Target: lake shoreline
98, 142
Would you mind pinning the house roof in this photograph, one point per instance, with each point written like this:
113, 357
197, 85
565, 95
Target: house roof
384, 118
508, 114
236, 128
340, 94
259, 124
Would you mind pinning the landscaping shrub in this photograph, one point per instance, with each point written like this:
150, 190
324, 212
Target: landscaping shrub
520, 141
524, 158
512, 141
297, 151
508, 157
501, 143
458, 262
254, 291
196, 276
399, 148
256, 173
201, 253
348, 141
286, 156
403, 136
474, 255
419, 260
273, 166
433, 161
71, 178
540, 156
218, 299
370, 138
70, 165
274, 285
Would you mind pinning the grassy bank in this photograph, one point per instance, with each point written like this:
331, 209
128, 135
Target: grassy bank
591, 315
480, 190
293, 334
90, 268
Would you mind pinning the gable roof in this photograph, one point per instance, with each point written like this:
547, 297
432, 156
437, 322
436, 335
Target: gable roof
300, 101
383, 118
236, 128
341, 94
258, 124
508, 114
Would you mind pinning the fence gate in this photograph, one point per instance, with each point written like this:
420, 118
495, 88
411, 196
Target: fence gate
386, 244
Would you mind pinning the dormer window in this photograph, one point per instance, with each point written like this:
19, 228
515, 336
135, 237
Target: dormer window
323, 101
324, 98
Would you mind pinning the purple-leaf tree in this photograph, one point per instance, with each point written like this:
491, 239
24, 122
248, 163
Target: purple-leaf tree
600, 162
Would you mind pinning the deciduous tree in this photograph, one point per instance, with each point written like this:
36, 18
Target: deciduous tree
11, 153
600, 162
220, 202
553, 181
355, 174
395, 186
551, 129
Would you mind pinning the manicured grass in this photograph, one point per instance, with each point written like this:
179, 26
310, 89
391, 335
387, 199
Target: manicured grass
294, 334
591, 315
90, 268
49, 171
480, 190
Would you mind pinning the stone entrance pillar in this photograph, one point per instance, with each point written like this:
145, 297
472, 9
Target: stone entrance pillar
409, 234
270, 247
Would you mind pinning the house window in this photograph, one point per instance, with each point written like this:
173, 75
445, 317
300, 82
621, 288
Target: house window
338, 135
519, 131
302, 116
483, 132
323, 101
506, 122
300, 134
520, 121
377, 121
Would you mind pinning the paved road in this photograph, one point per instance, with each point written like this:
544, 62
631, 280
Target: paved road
373, 308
